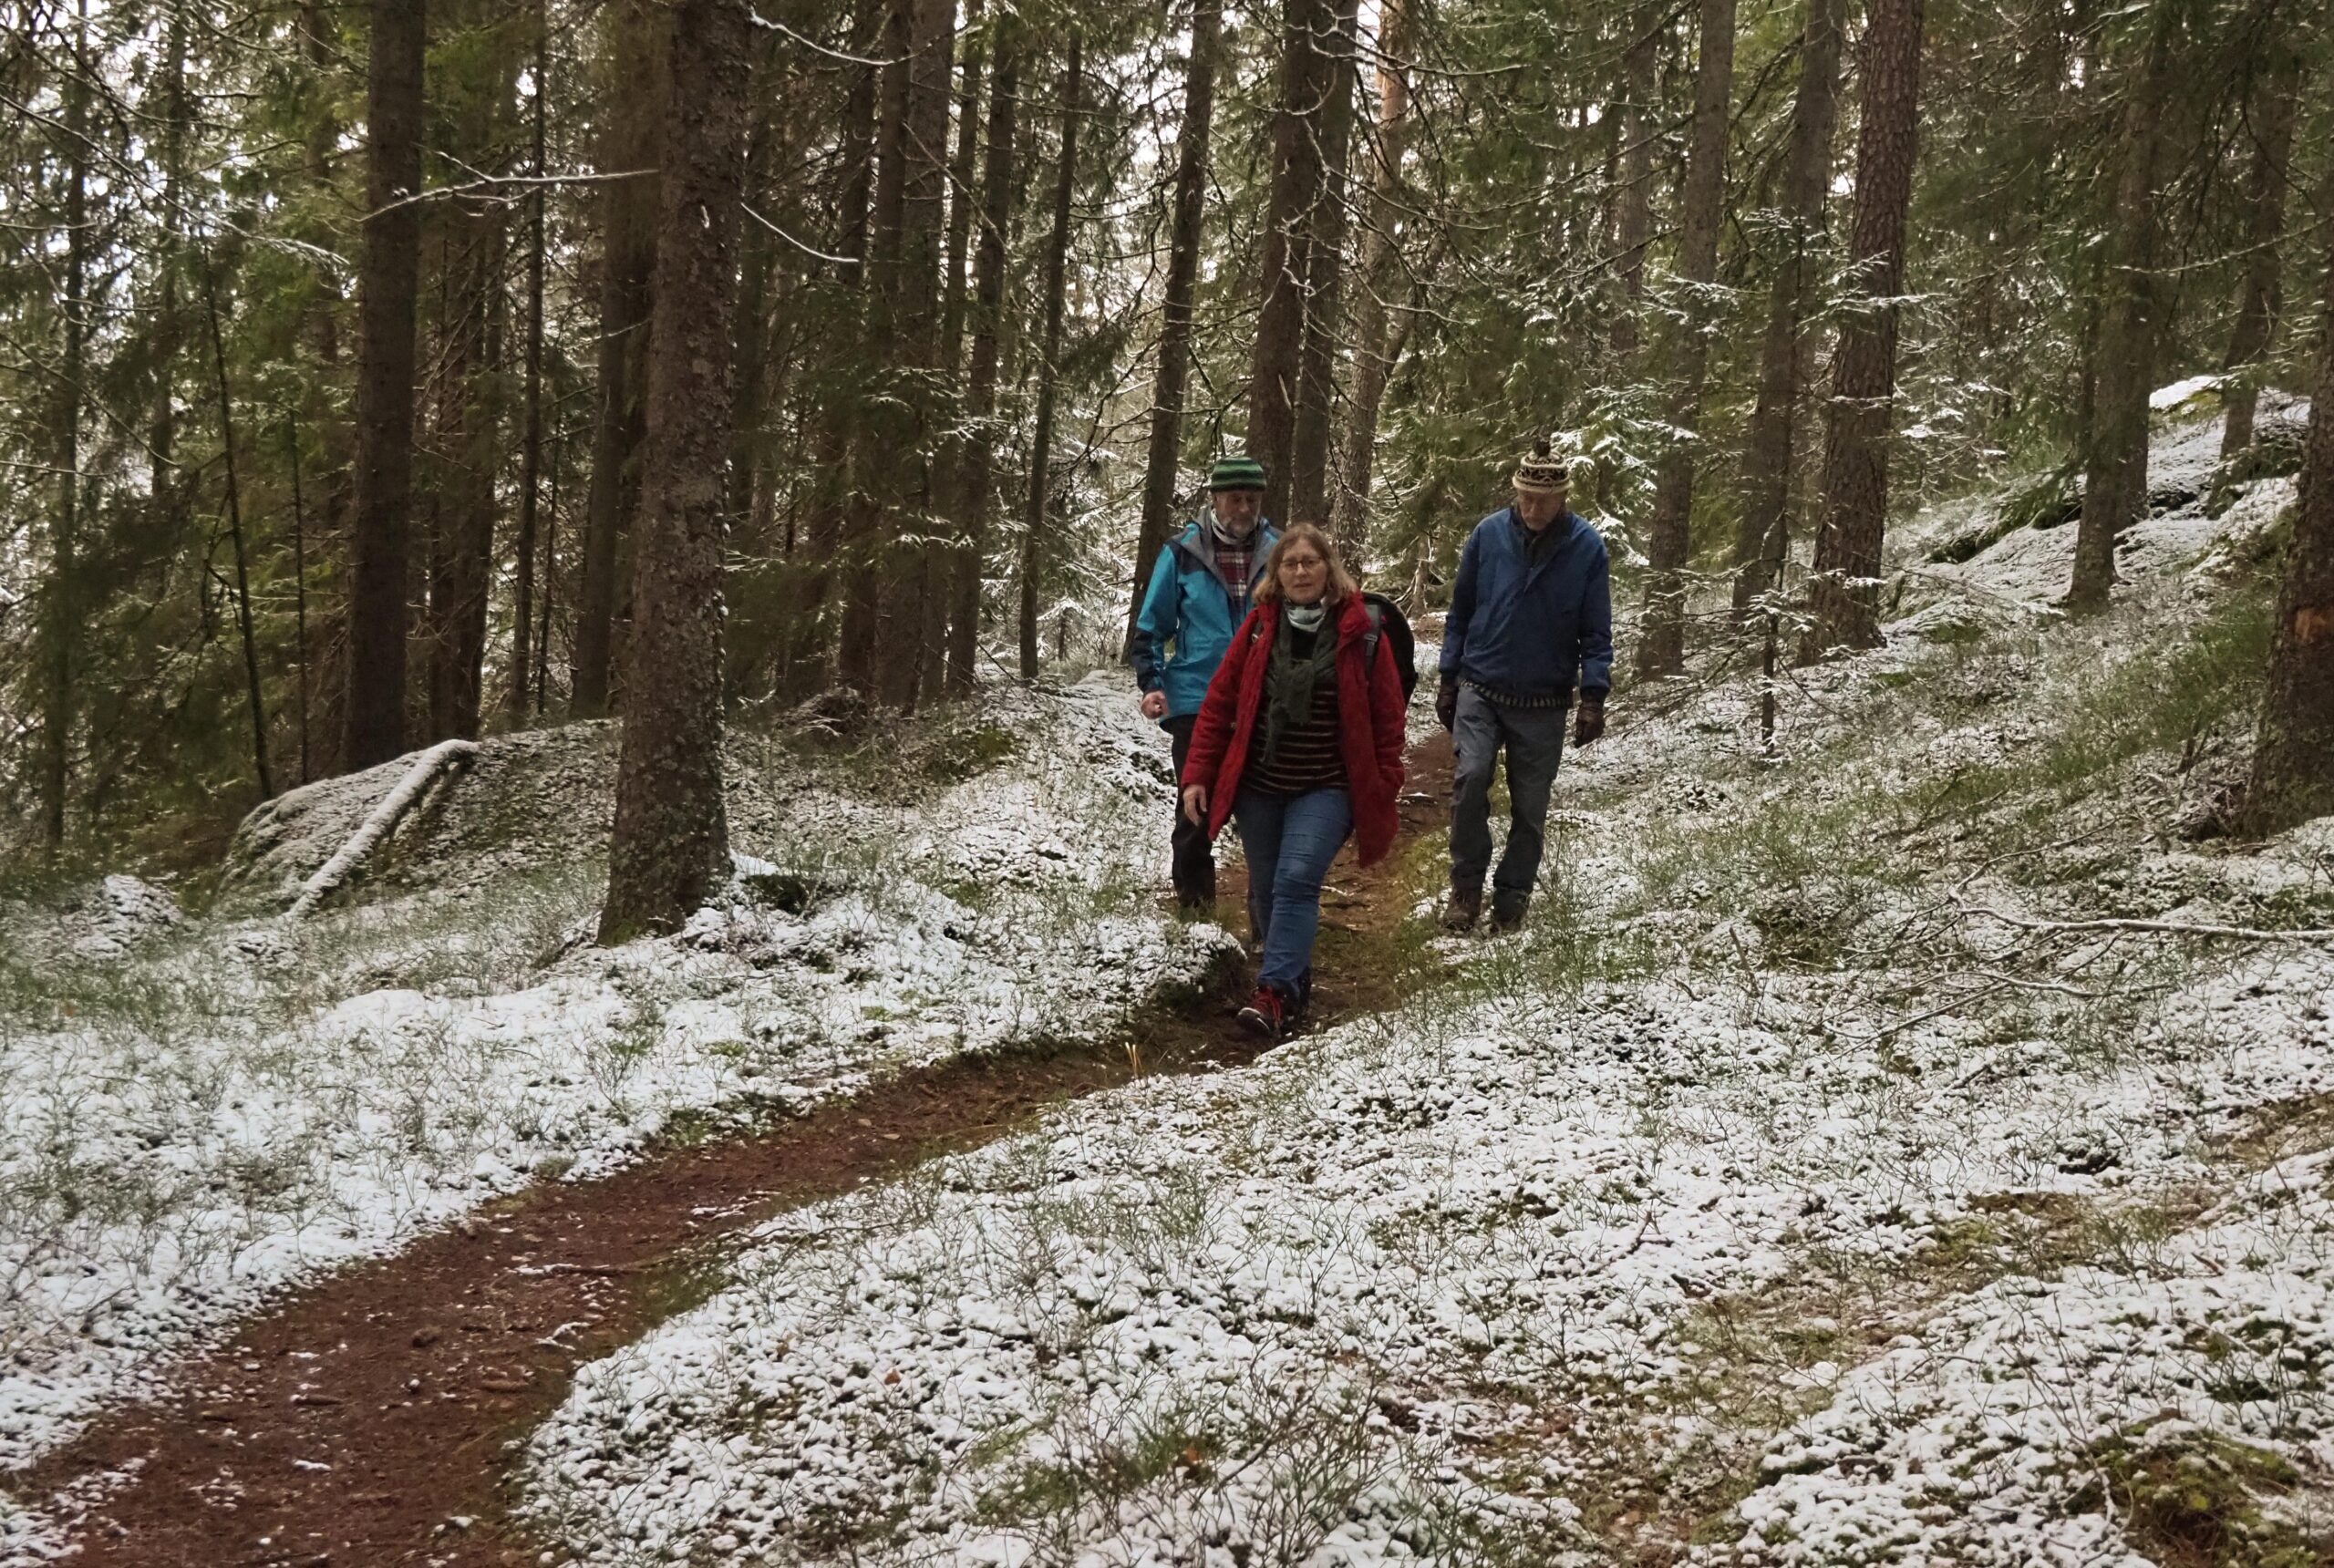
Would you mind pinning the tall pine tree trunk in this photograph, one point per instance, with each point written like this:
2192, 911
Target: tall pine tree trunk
1296, 186
1842, 593
1762, 534
530, 447
1379, 272
1661, 646
1182, 276
671, 842
2270, 111
998, 185
948, 541
1049, 365
65, 566
2293, 756
2115, 472
1325, 260
874, 454
811, 645
1634, 225
388, 277
913, 469
471, 255
637, 45
170, 332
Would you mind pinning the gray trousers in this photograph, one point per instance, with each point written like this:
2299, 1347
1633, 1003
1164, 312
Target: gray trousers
1534, 740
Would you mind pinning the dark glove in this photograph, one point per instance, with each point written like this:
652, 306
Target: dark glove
1590, 724
1446, 704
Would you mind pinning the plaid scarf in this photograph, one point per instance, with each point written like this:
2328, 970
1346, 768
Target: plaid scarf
1235, 562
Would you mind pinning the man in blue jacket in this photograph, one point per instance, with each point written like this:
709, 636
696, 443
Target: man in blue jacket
1531, 622
1199, 595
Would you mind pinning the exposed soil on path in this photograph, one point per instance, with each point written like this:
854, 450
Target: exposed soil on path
367, 1419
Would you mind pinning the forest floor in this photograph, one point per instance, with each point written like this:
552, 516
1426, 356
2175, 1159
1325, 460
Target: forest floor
1903, 1138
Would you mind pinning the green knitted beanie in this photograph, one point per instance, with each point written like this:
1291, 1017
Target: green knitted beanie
1236, 473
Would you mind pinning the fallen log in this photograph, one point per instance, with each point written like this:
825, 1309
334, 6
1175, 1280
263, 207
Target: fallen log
380, 823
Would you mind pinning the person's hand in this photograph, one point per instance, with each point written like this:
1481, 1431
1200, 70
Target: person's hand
1195, 804
1590, 722
1154, 705
1446, 704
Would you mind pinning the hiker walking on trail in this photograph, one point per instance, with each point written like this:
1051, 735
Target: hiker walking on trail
1531, 622
1200, 590
1301, 743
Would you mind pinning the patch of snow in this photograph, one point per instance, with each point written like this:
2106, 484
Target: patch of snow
2179, 392
213, 1116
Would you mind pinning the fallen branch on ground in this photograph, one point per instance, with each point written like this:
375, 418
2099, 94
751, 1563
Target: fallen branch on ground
382, 821
2169, 927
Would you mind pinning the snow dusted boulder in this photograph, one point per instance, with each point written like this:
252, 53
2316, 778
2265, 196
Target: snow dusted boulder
543, 797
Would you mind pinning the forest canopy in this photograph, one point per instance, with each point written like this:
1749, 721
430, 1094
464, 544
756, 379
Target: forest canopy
329, 409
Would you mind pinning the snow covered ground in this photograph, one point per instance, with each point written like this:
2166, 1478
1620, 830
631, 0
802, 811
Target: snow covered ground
1807, 1183
193, 1112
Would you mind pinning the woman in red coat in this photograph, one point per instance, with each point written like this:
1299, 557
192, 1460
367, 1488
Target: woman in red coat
1301, 743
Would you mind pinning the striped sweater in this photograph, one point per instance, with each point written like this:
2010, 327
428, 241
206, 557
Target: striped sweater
1311, 754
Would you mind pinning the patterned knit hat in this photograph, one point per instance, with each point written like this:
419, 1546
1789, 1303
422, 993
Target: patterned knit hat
1236, 473
1542, 471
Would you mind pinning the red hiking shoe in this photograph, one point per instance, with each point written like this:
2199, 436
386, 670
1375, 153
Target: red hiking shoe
1266, 1013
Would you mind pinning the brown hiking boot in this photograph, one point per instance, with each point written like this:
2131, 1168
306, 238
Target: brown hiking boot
1507, 914
1460, 912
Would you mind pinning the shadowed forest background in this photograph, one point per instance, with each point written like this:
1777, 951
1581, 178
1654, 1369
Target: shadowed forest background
328, 425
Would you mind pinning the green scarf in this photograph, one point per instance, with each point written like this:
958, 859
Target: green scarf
1289, 679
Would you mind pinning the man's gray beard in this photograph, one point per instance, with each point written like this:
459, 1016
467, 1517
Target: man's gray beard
1224, 531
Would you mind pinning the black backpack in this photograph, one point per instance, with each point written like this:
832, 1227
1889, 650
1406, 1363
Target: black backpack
1386, 620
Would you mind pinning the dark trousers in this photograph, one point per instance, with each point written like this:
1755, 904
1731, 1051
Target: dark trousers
1194, 870
1534, 739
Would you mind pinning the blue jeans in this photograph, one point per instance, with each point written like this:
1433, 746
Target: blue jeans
1535, 741
1289, 840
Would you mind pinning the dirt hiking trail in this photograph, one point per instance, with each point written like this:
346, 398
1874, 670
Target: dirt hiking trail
366, 1418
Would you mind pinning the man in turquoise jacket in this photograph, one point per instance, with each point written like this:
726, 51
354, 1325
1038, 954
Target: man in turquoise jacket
1200, 592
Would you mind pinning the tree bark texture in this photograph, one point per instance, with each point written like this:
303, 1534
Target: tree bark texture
1379, 272
1296, 186
948, 541
1165, 454
1661, 645
925, 399
671, 842
998, 185
1763, 532
811, 645
1325, 260
870, 511
388, 277
1842, 593
64, 569
2271, 110
2293, 756
471, 235
1049, 365
2115, 474
531, 449
638, 49
169, 330
1636, 223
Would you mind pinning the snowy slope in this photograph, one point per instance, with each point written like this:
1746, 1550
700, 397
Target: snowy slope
215, 1108
1785, 1193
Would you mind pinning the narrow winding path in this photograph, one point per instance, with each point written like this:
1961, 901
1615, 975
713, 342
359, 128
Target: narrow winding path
367, 1419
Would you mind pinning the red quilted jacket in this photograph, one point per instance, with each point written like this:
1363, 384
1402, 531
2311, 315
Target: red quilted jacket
1370, 720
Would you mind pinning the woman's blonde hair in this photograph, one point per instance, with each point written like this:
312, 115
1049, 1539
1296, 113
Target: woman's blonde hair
1342, 585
